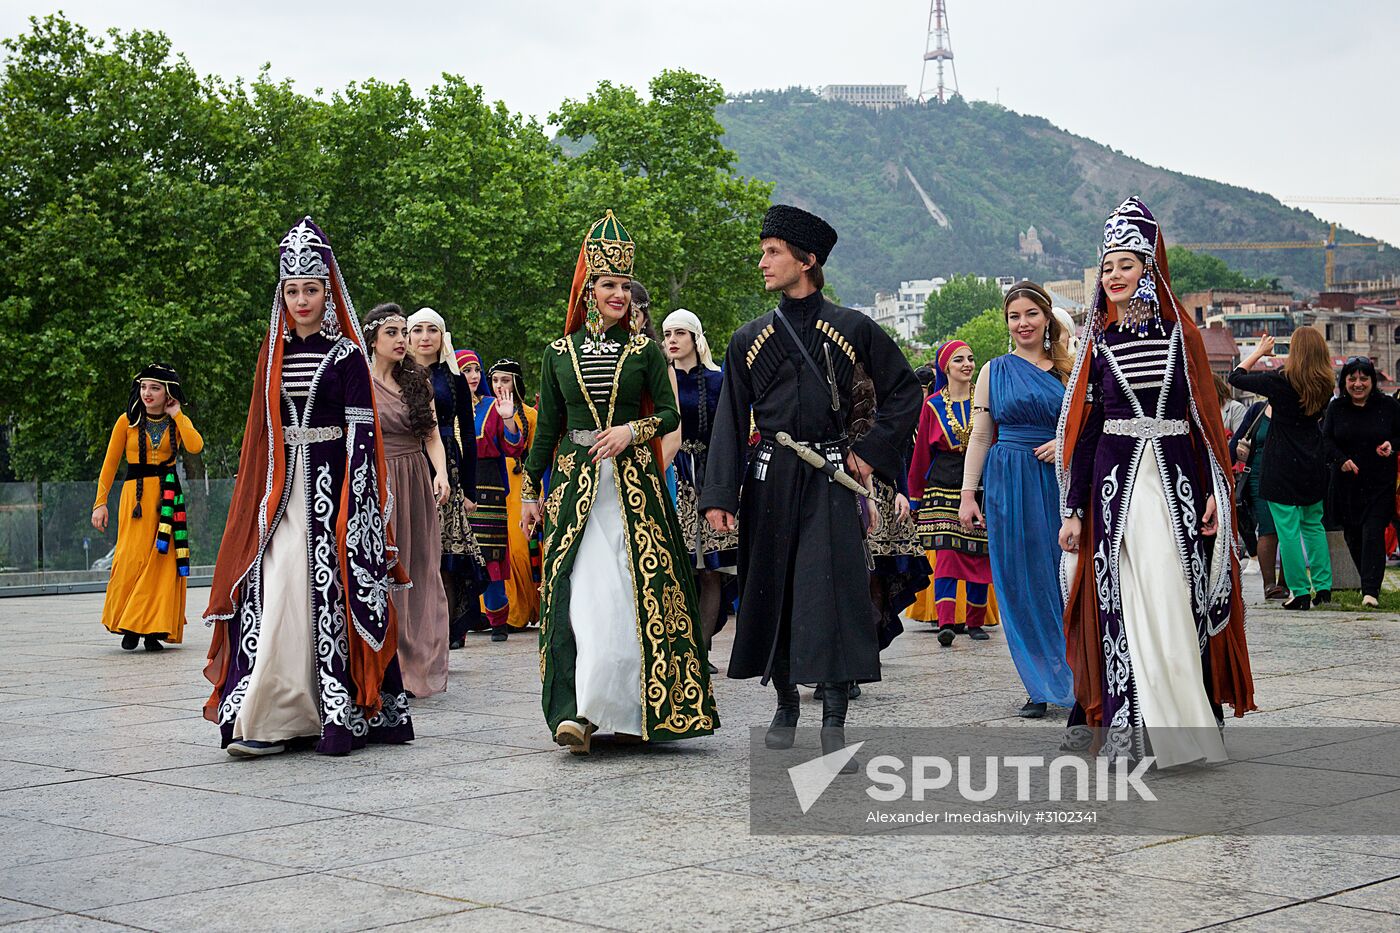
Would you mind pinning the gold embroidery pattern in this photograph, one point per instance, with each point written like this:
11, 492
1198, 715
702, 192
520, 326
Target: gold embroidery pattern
757, 345
529, 488
668, 621
560, 346
556, 547
894, 538
835, 337
644, 429
566, 464
609, 257
643, 455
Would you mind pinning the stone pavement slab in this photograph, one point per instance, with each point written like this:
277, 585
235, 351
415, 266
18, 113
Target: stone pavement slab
118, 809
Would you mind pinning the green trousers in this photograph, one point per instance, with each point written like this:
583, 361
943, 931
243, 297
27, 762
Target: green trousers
1300, 529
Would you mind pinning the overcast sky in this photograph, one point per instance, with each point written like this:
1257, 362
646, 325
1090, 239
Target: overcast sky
1292, 97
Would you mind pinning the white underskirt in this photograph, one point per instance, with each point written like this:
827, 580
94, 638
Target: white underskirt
1162, 640
281, 699
603, 614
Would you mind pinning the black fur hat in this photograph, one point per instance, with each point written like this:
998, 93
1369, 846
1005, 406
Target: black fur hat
806, 231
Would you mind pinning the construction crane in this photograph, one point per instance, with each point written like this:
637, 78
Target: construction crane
1329, 268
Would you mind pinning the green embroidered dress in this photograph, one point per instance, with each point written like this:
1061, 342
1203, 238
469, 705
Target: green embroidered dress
614, 521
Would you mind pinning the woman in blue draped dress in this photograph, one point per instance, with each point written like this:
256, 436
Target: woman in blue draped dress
1011, 453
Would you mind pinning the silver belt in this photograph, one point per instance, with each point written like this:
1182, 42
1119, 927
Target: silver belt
583, 438
300, 437
1146, 428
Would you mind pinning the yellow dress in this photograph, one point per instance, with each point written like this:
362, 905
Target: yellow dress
145, 595
925, 608
522, 592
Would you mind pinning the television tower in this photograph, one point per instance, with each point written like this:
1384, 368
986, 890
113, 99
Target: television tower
939, 49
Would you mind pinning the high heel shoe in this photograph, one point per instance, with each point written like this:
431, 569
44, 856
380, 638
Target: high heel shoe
1300, 602
1322, 596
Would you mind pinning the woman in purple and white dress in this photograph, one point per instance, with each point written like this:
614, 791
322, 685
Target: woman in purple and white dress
1154, 626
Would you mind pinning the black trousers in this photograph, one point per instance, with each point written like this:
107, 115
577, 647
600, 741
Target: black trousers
1365, 536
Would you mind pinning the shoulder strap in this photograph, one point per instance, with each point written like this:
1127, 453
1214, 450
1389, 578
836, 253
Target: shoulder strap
802, 347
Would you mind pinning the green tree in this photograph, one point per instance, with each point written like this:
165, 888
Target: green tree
986, 334
1197, 272
128, 230
662, 167
956, 303
139, 206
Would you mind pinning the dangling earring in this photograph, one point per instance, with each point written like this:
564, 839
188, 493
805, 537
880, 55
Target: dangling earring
330, 324
592, 320
634, 319
286, 331
1010, 343
1047, 338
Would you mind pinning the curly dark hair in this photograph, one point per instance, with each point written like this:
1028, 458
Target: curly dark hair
415, 385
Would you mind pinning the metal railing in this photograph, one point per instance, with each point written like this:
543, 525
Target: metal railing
48, 544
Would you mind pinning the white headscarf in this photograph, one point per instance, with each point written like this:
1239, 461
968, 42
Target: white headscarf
1067, 328
445, 352
685, 320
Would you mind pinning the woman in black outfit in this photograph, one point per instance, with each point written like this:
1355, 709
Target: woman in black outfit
1247, 447
1295, 461
1362, 433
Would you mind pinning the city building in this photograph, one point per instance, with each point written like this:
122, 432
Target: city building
1072, 292
902, 311
1354, 329
1215, 302
873, 96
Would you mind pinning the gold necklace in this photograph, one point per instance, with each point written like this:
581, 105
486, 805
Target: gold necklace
962, 430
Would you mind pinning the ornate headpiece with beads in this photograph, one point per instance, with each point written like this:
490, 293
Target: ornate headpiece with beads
304, 253
1131, 227
608, 249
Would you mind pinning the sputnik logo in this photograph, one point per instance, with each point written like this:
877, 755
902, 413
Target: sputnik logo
811, 778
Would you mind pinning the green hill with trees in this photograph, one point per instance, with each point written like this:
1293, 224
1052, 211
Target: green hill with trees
885, 178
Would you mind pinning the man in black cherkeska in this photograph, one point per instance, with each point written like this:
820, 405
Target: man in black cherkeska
805, 614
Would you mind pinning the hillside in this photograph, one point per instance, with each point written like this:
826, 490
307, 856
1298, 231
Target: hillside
935, 190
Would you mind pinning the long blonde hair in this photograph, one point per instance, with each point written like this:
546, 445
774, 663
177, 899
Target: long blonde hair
1308, 368
1061, 361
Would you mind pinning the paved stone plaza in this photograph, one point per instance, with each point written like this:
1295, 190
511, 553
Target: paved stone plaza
118, 809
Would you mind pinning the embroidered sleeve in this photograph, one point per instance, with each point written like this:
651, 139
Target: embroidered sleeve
529, 488
644, 429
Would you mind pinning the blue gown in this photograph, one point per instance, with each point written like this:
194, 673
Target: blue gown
1022, 508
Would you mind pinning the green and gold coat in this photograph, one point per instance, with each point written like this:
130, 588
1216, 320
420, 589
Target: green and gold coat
587, 384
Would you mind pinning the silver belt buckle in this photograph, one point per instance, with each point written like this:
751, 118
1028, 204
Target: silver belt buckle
1146, 428
583, 438
300, 437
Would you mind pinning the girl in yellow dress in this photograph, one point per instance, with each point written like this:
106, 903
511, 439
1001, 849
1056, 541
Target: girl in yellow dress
146, 593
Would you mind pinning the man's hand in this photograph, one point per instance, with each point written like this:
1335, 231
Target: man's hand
529, 516
721, 522
858, 468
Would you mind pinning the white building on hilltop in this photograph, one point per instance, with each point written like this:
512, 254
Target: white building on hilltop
874, 96
903, 311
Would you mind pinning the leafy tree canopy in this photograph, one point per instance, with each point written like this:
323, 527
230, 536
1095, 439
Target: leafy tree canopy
1198, 272
141, 204
986, 334
956, 303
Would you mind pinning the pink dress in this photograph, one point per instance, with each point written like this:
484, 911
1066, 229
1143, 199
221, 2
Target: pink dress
421, 609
